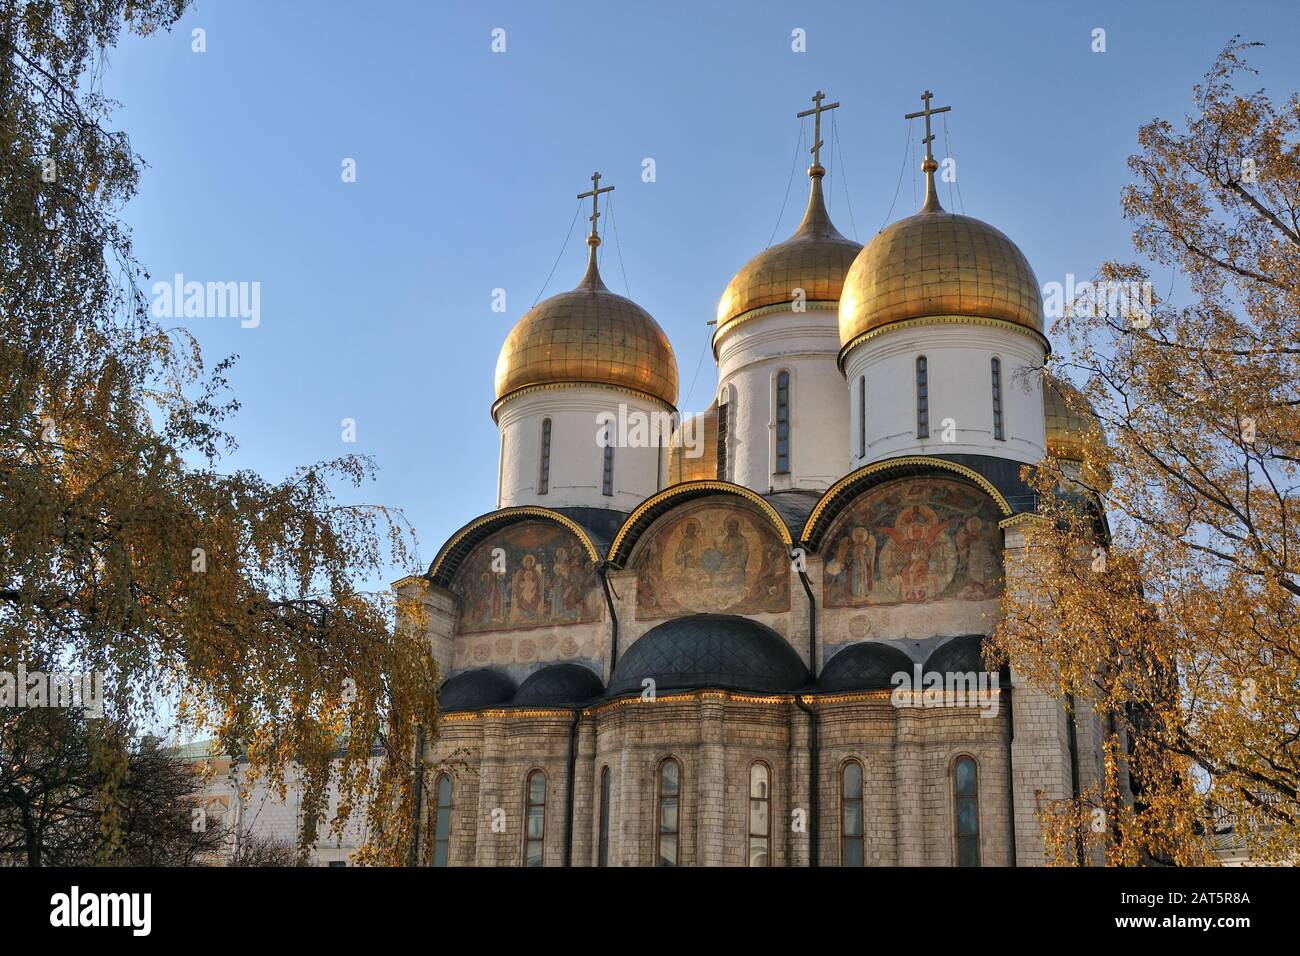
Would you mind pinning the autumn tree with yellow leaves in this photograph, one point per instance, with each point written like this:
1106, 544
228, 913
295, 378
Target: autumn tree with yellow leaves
126, 550
1184, 633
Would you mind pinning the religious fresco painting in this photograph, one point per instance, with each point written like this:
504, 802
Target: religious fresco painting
541, 577
715, 558
914, 541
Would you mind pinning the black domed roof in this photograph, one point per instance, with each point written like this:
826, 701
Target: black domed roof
960, 655
481, 687
866, 666
710, 650
559, 684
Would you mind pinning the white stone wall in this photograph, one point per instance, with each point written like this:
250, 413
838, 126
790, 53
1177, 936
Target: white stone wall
750, 355
259, 812
577, 459
960, 388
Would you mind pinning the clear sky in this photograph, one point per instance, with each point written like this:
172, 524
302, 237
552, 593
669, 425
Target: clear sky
376, 296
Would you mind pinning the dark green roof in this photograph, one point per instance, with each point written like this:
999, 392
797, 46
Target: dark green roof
710, 650
866, 666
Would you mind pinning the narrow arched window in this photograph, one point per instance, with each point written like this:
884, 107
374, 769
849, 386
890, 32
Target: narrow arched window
544, 475
501, 470
723, 411
607, 475
783, 423
760, 815
922, 398
670, 789
966, 811
996, 365
851, 839
602, 843
442, 821
659, 467
862, 416
534, 818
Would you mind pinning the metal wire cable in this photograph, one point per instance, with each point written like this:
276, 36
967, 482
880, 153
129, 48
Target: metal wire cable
565, 245
794, 164
947, 141
848, 196
613, 227
686, 403
902, 169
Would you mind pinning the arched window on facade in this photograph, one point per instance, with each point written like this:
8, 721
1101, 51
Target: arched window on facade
922, 397
966, 810
602, 842
442, 821
783, 423
501, 470
862, 416
666, 812
534, 818
544, 473
851, 830
760, 814
660, 452
724, 413
607, 472
996, 365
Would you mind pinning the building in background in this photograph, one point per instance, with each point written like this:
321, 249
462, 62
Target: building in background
262, 827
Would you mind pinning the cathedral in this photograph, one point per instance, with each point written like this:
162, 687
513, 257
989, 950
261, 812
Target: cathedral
754, 637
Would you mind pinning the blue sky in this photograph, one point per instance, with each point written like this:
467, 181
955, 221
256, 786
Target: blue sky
376, 295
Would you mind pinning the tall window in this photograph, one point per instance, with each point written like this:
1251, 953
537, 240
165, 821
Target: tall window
997, 400
922, 398
862, 416
501, 469
607, 477
659, 466
442, 821
760, 815
722, 440
966, 811
670, 788
534, 818
782, 423
851, 845
544, 478
602, 844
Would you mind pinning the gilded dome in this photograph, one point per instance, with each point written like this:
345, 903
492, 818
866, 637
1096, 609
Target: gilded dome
588, 336
938, 263
704, 467
1067, 415
815, 259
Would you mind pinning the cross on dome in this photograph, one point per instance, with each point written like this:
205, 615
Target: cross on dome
594, 193
929, 165
816, 113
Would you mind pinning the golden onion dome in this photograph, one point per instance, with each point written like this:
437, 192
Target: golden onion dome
703, 467
1068, 417
937, 263
590, 336
814, 259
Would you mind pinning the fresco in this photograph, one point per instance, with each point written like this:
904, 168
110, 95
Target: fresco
540, 577
709, 557
914, 541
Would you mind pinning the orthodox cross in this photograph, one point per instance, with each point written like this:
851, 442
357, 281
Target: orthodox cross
594, 193
927, 113
816, 113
